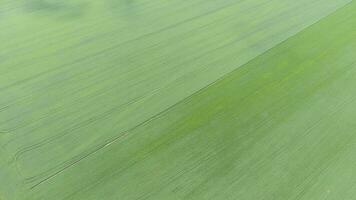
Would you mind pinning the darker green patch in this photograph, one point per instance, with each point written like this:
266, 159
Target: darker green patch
56, 8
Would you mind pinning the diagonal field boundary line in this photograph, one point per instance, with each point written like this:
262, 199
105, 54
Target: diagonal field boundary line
161, 113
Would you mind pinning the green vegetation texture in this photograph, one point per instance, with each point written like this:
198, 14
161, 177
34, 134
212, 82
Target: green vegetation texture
177, 100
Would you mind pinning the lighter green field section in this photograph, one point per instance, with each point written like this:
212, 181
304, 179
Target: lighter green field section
177, 99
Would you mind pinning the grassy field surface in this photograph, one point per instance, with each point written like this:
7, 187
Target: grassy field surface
172, 100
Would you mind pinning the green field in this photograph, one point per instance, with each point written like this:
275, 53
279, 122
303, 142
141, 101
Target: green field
177, 100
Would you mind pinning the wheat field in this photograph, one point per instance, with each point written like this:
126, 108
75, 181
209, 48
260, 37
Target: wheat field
177, 100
